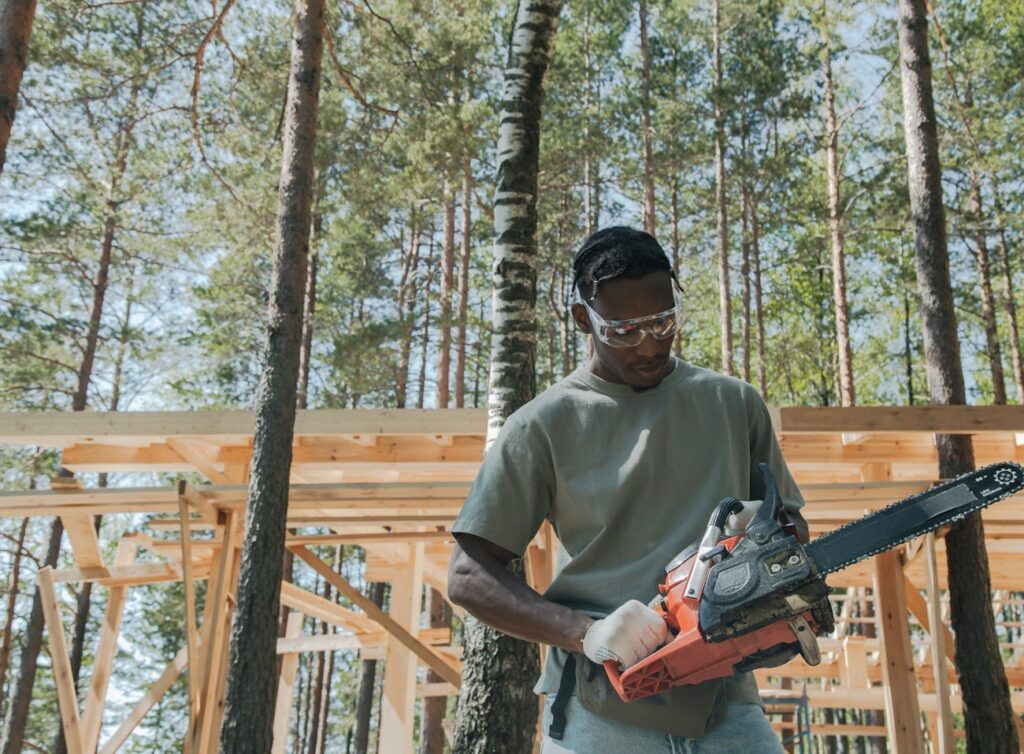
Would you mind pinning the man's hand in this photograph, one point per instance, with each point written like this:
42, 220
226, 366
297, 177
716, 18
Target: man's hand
627, 636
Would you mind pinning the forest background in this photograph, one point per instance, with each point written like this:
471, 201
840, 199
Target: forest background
140, 187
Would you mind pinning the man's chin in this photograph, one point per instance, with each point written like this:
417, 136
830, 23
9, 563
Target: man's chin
645, 379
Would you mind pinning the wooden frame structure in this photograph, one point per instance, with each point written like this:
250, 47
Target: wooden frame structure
392, 482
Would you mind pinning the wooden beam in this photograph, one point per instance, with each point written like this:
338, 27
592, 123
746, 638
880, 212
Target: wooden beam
902, 713
85, 543
944, 721
191, 638
398, 701
360, 641
66, 696
932, 419
285, 683
106, 651
128, 575
192, 453
341, 538
392, 626
150, 698
330, 612
920, 609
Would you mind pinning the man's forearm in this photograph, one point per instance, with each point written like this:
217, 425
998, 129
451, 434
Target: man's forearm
481, 584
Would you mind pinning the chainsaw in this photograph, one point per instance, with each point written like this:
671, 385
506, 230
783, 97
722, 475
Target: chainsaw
757, 598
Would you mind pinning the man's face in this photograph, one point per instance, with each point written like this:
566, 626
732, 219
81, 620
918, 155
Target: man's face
649, 362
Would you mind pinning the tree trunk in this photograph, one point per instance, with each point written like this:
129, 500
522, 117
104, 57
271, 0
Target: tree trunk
447, 275
988, 715
497, 711
988, 308
12, 599
908, 350
725, 304
646, 129
313, 734
367, 682
407, 311
745, 280
425, 337
1009, 300
677, 253
465, 253
16, 17
309, 308
17, 712
847, 396
250, 695
755, 262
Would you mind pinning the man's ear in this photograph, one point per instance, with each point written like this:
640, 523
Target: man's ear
579, 314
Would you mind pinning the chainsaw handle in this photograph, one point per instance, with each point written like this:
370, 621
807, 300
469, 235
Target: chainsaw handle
612, 669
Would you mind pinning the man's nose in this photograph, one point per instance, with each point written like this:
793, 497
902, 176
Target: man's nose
647, 347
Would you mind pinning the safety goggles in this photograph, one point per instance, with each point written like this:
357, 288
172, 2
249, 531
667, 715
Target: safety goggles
626, 333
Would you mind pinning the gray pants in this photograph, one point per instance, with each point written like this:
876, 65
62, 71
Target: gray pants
745, 730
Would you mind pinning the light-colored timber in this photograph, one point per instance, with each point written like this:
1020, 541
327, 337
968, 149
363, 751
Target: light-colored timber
392, 482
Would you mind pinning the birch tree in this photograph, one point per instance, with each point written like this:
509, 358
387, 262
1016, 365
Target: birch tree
988, 715
250, 695
497, 710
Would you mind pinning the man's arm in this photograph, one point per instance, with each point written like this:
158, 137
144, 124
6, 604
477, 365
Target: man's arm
479, 581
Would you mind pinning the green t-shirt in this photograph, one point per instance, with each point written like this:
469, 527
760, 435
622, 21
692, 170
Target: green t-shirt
627, 478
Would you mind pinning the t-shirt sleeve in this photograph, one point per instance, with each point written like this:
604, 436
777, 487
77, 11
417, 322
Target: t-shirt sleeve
513, 490
764, 448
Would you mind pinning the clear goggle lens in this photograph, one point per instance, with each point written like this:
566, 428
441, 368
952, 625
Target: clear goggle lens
630, 332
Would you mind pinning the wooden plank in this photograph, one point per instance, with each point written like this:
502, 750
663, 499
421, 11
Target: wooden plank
398, 700
285, 683
392, 626
191, 638
919, 609
934, 419
343, 538
854, 667
106, 651
330, 612
85, 542
902, 713
128, 575
192, 453
66, 697
362, 641
149, 699
944, 718
56, 428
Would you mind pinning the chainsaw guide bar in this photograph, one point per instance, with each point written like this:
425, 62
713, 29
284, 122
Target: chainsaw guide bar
914, 516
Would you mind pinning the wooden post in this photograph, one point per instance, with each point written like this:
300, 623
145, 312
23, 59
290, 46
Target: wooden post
66, 697
902, 713
398, 701
284, 685
191, 640
102, 665
944, 742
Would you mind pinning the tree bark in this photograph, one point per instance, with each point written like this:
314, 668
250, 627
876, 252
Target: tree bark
646, 129
988, 715
497, 711
1009, 301
755, 262
988, 308
12, 599
16, 18
17, 712
407, 311
309, 308
444, 323
434, 708
367, 682
847, 395
313, 733
745, 280
725, 304
250, 695
465, 253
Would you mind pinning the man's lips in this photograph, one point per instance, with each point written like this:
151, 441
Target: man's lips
650, 367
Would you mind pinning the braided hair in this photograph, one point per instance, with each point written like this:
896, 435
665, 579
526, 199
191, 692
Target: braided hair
616, 252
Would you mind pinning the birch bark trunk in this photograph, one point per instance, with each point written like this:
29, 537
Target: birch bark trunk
988, 715
250, 694
497, 711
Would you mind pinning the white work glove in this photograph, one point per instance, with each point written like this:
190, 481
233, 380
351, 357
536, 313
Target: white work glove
627, 636
736, 523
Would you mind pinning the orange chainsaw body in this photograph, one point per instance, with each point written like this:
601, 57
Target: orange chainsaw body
689, 658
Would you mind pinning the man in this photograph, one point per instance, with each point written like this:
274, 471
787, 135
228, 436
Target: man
627, 457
